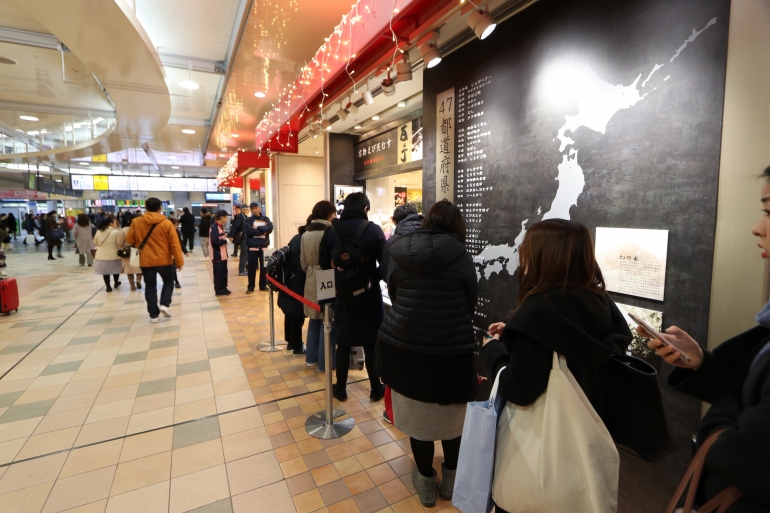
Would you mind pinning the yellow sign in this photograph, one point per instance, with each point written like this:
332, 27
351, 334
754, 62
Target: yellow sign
99, 158
101, 183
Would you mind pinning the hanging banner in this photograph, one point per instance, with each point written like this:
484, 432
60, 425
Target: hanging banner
445, 138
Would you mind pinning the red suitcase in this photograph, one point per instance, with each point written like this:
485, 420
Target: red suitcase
9, 296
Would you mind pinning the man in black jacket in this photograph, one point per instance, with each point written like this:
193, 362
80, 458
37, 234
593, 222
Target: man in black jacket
257, 230
187, 228
237, 237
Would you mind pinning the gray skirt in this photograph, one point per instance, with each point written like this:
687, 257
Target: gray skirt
108, 266
427, 421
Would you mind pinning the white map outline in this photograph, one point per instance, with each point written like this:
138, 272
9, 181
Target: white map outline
599, 102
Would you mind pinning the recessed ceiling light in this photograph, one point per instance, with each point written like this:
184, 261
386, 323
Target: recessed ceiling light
6, 60
317, 152
171, 157
188, 84
234, 135
174, 167
401, 104
84, 163
28, 118
222, 155
357, 127
188, 131
259, 94
375, 118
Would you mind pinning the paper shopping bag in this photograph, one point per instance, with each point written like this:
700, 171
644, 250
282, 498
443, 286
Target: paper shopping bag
473, 481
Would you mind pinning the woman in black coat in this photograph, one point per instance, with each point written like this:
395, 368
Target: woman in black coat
735, 379
426, 342
563, 307
293, 310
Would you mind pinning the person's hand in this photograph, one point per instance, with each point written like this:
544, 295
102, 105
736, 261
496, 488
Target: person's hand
230, 239
179, 269
681, 340
496, 329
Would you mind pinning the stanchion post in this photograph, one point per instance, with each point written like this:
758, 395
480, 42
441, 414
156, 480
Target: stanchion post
272, 347
321, 424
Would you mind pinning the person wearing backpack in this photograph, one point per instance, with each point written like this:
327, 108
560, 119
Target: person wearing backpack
257, 230
294, 280
354, 247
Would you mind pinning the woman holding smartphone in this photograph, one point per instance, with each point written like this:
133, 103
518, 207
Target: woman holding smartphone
563, 308
735, 379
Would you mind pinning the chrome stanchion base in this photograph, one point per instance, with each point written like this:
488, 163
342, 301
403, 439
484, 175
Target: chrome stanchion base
317, 427
267, 347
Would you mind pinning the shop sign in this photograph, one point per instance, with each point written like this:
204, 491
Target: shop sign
445, 137
378, 152
122, 195
22, 194
324, 281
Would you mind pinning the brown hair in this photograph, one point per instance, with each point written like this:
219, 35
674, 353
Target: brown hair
84, 221
558, 254
446, 217
322, 210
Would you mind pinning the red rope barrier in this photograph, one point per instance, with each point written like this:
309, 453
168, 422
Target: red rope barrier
296, 296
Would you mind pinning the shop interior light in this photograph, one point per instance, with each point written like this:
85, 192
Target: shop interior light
375, 118
189, 84
28, 118
367, 95
404, 69
430, 54
481, 23
188, 131
234, 135
84, 163
357, 127
351, 107
401, 104
388, 86
326, 125
174, 167
342, 114
259, 94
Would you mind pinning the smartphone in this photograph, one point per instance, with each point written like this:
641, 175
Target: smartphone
649, 329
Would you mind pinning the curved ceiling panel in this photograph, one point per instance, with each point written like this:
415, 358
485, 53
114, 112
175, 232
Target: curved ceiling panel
109, 40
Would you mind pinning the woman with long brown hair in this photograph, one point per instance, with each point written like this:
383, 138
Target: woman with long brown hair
563, 307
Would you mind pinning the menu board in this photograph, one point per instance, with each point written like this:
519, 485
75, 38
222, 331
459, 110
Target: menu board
101, 183
633, 262
119, 183
83, 182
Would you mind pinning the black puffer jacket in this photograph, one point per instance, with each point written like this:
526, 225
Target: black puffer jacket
411, 223
295, 281
427, 340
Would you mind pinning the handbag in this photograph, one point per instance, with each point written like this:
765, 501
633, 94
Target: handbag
125, 252
720, 503
555, 455
133, 259
473, 481
633, 409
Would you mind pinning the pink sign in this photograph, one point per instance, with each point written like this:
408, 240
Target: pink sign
22, 194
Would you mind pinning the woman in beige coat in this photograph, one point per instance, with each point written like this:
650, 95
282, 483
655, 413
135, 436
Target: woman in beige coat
84, 240
134, 273
323, 213
108, 240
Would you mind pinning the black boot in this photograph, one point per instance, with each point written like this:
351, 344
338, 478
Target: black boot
339, 392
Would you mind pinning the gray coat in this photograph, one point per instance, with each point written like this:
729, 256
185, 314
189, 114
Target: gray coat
309, 260
83, 239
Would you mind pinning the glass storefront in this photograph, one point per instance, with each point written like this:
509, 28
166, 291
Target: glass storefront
388, 192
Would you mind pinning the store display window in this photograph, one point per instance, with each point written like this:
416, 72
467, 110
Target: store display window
388, 192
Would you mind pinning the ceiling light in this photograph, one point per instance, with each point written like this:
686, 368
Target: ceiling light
222, 155
375, 118
351, 108
388, 86
28, 118
430, 54
317, 152
171, 157
367, 95
342, 114
327, 126
174, 167
481, 23
188, 131
401, 104
404, 69
259, 94
234, 135
84, 163
189, 84
357, 127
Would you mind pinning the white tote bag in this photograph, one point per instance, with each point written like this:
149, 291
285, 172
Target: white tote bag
133, 259
555, 455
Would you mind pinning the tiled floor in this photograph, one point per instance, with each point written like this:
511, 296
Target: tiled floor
100, 410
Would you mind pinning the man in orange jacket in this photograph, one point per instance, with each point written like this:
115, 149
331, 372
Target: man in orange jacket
159, 251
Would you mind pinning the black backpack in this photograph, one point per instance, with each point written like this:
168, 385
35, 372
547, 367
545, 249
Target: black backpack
352, 279
278, 267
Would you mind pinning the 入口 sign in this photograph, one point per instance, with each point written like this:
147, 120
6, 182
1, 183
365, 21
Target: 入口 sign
324, 282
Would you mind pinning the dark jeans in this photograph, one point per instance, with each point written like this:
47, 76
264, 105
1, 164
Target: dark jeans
257, 261
220, 276
54, 244
343, 366
166, 273
423, 454
292, 329
244, 258
188, 239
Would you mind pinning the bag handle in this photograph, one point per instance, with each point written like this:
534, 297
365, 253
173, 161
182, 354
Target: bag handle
493, 394
147, 236
691, 479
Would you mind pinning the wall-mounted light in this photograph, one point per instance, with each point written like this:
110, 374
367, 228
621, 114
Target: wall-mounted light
367, 95
481, 23
430, 54
404, 69
342, 113
351, 107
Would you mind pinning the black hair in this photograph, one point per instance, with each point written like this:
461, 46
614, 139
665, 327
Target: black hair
153, 204
446, 217
766, 173
403, 211
186, 210
204, 210
357, 201
106, 222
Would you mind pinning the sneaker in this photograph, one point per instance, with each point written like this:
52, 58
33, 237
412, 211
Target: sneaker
376, 395
263, 289
203, 259
177, 285
386, 418
299, 352
312, 364
153, 319
243, 274
249, 291
339, 393
165, 310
